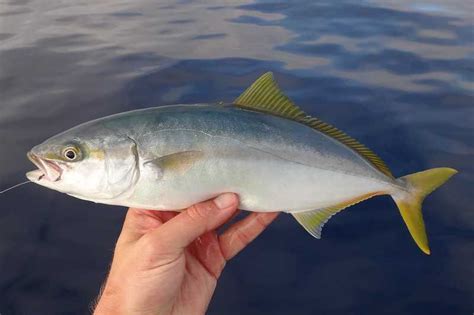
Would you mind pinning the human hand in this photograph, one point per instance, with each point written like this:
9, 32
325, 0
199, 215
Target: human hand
168, 263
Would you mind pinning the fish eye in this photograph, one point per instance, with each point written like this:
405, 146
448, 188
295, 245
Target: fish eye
71, 153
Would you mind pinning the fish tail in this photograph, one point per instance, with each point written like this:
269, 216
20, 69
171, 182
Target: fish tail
418, 186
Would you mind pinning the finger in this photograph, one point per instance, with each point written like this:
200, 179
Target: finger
232, 217
140, 221
180, 231
240, 234
165, 215
207, 250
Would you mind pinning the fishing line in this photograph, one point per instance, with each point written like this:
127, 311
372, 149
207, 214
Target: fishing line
14, 186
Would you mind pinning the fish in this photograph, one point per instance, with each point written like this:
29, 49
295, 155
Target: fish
261, 146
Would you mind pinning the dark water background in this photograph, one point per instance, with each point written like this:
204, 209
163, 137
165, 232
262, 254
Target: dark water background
397, 75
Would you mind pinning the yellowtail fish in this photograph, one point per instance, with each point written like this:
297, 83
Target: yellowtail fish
262, 147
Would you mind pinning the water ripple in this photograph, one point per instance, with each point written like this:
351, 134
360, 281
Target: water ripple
396, 75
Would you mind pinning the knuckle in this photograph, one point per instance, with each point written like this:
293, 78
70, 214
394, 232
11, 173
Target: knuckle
261, 222
243, 237
149, 245
200, 211
153, 252
154, 244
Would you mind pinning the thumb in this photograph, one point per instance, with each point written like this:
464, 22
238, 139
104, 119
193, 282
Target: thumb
183, 229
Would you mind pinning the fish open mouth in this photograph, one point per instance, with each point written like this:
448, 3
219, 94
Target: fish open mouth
47, 169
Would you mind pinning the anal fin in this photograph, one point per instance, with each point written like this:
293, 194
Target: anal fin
314, 220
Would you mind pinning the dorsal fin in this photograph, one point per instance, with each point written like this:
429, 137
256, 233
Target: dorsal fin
264, 95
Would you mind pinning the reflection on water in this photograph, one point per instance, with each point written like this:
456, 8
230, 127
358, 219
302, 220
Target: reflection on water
396, 75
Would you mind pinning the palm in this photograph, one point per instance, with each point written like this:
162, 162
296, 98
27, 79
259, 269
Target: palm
173, 278
203, 263
194, 272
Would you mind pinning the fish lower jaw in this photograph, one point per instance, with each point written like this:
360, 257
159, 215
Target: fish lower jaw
35, 176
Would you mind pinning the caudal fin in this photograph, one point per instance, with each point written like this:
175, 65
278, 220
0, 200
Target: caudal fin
419, 185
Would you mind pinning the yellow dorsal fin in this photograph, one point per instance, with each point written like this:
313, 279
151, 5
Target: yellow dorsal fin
264, 95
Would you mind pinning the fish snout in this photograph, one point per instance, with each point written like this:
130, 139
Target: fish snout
47, 169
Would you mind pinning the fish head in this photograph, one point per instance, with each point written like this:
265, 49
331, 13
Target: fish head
86, 162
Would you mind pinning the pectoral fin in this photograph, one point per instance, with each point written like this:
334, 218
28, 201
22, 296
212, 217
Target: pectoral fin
174, 164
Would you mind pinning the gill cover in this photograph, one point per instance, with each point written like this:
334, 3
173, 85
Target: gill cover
122, 169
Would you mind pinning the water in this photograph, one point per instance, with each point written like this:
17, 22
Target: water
396, 75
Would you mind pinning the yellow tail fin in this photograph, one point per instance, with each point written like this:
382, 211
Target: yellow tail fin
409, 202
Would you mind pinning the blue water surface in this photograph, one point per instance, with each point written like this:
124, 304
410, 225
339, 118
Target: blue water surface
397, 75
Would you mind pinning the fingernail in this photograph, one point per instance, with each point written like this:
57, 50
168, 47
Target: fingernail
225, 200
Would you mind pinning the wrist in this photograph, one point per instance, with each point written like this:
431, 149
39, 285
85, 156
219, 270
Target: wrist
108, 302
105, 308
